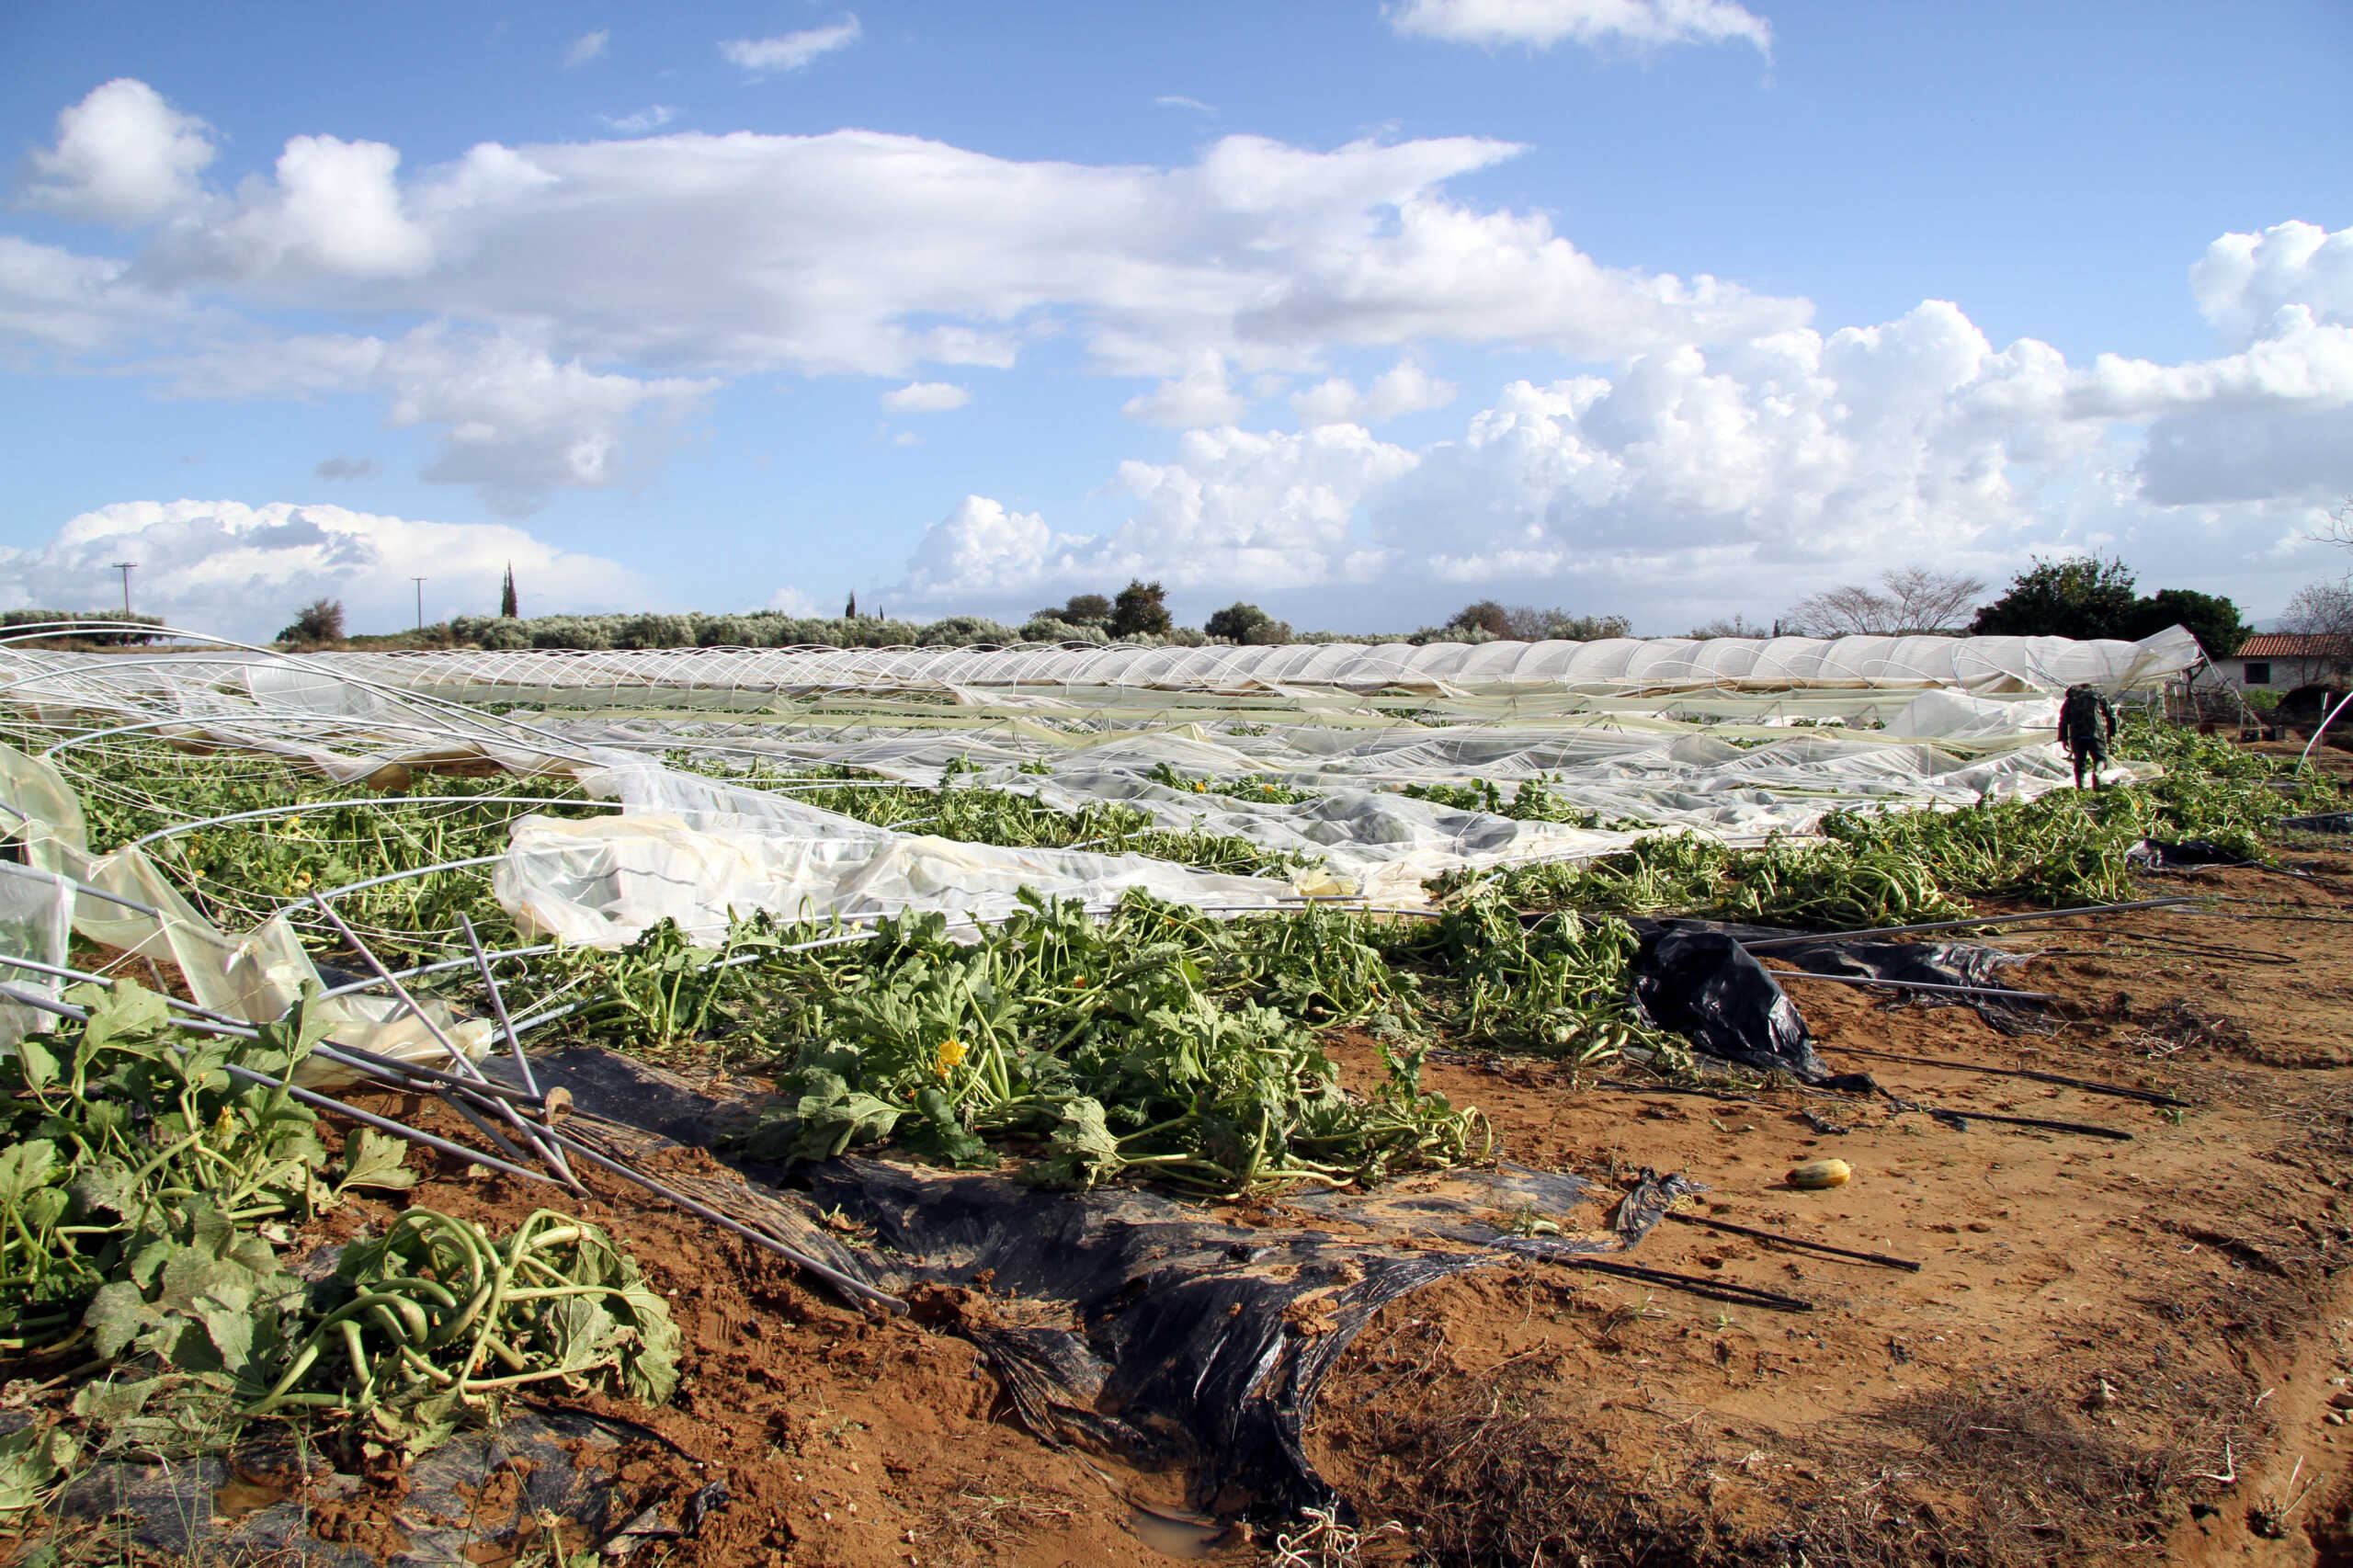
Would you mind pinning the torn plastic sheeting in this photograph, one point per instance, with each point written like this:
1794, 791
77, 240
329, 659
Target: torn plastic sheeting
1119, 1320
2157, 855
256, 977
603, 883
1897, 963
173, 1508
1706, 987
35, 922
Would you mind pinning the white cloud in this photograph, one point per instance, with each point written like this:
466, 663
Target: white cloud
1236, 508
857, 251
925, 397
654, 117
515, 421
762, 56
56, 300
1178, 101
1407, 388
792, 601
1201, 396
123, 156
2244, 280
588, 46
980, 550
334, 216
1541, 24
341, 466
243, 572
1697, 481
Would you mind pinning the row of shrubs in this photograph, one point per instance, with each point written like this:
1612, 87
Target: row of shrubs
73, 620
1239, 623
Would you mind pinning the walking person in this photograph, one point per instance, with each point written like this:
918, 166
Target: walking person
2087, 724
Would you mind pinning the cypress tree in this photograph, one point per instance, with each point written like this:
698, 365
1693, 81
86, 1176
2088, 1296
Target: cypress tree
507, 605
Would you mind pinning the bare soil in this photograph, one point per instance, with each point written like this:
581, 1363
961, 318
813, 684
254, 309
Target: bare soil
2112, 1350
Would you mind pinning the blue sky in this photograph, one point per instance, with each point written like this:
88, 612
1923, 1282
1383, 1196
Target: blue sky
1355, 311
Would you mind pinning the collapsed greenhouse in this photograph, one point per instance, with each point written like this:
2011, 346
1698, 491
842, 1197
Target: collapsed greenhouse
888, 928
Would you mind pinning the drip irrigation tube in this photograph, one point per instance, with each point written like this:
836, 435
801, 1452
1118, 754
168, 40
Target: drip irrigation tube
2003, 991
2088, 1086
1885, 1260
358, 802
1759, 944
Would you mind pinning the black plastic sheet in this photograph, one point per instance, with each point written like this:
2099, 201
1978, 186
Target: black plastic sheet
1118, 1320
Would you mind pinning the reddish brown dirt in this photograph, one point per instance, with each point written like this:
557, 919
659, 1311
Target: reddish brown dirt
2093, 1323
842, 1439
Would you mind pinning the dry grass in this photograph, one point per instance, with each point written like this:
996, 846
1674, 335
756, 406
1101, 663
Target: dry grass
976, 1526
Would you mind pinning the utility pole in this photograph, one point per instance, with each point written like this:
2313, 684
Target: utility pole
420, 602
125, 567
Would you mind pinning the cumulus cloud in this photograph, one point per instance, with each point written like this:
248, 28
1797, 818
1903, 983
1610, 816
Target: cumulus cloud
1264, 512
792, 601
851, 251
925, 397
340, 467
55, 299
1201, 396
122, 155
654, 117
863, 252
1407, 388
588, 46
982, 551
1541, 24
515, 421
244, 571
1694, 481
334, 216
2245, 280
764, 56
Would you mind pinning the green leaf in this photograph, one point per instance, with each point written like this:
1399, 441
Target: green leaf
1085, 1152
940, 1134
116, 1316
651, 1371
33, 1459
26, 1168
37, 1063
374, 1159
577, 1333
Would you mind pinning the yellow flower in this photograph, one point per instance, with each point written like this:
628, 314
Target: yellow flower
951, 1051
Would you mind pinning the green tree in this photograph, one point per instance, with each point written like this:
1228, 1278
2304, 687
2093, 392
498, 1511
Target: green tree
1487, 616
849, 611
1084, 610
2083, 596
321, 621
2212, 619
1240, 622
1140, 610
507, 607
